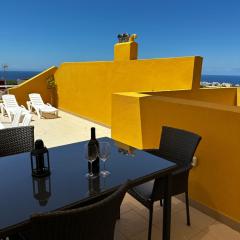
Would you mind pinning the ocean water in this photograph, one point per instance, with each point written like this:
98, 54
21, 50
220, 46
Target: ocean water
14, 75
221, 79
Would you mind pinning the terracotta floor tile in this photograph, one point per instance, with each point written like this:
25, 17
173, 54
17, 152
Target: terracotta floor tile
156, 235
179, 228
223, 232
204, 235
131, 224
118, 235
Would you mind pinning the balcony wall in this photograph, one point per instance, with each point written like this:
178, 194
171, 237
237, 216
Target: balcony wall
36, 84
137, 120
86, 88
225, 96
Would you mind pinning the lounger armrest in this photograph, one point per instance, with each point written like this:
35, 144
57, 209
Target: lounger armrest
49, 104
29, 106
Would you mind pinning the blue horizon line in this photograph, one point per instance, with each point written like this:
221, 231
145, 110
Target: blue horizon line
39, 71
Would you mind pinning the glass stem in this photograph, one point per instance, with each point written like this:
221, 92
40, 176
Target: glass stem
91, 173
104, 168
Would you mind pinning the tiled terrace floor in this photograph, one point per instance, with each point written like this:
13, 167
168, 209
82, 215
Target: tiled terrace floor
134, 217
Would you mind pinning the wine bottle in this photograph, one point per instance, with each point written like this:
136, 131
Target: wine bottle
93, 141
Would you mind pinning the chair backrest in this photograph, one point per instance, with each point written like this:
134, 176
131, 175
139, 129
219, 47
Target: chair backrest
95, 221
36, 99
26, 120
9, 101
16, 140
16, 118
178, 145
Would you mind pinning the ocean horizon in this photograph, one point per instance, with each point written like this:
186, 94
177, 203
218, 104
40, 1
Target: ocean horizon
18, 75
24, 75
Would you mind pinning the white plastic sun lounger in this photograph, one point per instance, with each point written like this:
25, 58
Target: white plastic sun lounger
26, 120
39, 106
16, 120
10, 106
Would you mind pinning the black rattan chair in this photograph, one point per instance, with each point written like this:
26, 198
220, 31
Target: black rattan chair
95, 221
16, 140
178, 146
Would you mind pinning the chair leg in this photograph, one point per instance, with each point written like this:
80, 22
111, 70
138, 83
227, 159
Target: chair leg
161, 202
119, 214
150, 223
187, 208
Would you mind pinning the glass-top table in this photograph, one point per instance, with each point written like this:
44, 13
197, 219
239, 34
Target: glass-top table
67, 186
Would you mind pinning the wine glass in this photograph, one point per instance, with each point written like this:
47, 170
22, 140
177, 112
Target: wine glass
104, 153
91, 153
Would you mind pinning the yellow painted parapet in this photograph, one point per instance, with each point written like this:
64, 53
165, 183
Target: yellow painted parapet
37, 84
215, 181
86, 88
225, 96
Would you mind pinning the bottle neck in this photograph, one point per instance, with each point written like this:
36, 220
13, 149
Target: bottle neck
93, 134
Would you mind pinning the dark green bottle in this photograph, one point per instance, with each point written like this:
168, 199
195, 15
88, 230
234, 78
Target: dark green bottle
93, 141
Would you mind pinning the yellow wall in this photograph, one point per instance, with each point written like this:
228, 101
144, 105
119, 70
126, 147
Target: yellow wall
128, 118
37, 84
86, 88
215, 181
226, 96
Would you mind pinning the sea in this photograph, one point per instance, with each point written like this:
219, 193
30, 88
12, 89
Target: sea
18, 75
221, 79
22, 75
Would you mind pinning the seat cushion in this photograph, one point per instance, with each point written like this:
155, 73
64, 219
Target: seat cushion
143, 192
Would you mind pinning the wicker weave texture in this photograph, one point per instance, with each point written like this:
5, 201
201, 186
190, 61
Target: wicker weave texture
16, 140
178, 145
95, 221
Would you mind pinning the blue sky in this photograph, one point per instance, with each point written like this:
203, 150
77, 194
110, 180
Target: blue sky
37, 34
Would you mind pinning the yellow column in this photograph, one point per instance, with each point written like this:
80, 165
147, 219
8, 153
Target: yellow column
125, 51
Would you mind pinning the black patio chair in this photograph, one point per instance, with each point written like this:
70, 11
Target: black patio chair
178, 146
95, 221
16, 140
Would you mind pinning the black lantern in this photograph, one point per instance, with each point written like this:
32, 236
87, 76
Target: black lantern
42, 189
40, 160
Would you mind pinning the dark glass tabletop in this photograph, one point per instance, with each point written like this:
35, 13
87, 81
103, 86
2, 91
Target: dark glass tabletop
23, 195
